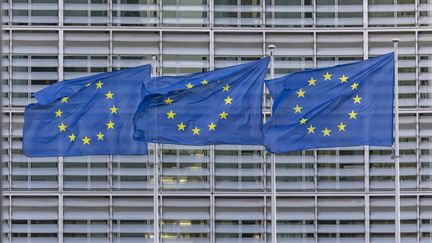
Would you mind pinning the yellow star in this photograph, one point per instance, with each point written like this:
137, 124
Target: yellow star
226, 88
297, 109
99, 85
62, 127
228, 100
64, 99
114, 109
212, 127
303, 121
181, 126
109, 95
354, 86
189, 85
343, 79
86, 140
326, 132
327, 76
170, 114
196, 131
312, 82
357, 99
59, 113
168, 101
352, 115
72, 137
341, 127
223, 115
301, 93
100, 136
204, 82
311, 129
110, 125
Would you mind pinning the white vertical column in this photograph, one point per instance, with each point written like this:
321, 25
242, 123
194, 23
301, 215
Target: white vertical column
366, 149
61, 159
156, 175
273, 165
396, 144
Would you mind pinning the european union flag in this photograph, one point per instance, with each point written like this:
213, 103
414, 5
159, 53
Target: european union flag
338, 106
218, 107
86, 116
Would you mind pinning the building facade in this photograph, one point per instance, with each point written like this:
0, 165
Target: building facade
214, 193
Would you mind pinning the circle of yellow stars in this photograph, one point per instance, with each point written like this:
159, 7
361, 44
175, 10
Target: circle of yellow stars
182, 127
86, 140
341, 127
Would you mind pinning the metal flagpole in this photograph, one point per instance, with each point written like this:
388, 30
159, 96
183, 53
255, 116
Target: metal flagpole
396, 143
155, 176
273, 165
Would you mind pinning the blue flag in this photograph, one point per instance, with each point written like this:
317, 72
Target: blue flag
86, 116
338, 106
218, 107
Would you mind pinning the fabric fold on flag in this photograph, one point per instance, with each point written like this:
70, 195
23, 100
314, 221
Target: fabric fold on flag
86, 116
218, 107
339, 106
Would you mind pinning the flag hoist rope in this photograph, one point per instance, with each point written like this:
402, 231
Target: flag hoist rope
396, 143
273, 165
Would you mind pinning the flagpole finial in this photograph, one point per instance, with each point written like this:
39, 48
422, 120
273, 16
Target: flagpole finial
395, 40
271, 47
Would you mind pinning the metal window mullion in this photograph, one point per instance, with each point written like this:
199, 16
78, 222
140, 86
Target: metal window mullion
60, 218
211, 13
416, 33
10, 13
365, 14
212, 163
263, 13
273, 14
212, 219
29, 11
211, 237
110, 220
211, 50
416, 13
60, 12
314, 13
10, 69
160, 12
110, 14
366, 150
336, 14
156, 201
61, 159
418, 151
10, 218
337, 168
10, 151
89, 3
417, 77
418, 234
265, 219
239, 22
316, 218
110, 49
160, 54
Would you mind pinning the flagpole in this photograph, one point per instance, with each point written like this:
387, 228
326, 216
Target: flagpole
273, 165
396, 143
155, 175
